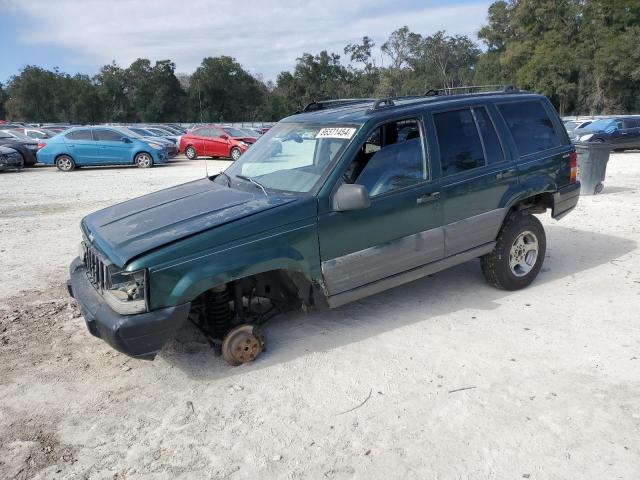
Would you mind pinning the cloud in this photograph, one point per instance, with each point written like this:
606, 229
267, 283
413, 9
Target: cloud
265, 37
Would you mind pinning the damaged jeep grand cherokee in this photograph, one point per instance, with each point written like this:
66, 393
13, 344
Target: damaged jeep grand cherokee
342, 200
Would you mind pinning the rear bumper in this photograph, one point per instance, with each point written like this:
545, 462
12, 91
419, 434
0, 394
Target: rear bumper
139, 336
565, 200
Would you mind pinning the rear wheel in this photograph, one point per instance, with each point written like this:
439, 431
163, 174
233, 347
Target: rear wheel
518, 255
191, 153
144, 160
235, 154
65, 163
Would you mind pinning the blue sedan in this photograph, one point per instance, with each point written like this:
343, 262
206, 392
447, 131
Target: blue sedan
88, 146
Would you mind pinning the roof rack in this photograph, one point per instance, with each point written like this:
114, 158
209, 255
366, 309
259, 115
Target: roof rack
324, 104
434, 92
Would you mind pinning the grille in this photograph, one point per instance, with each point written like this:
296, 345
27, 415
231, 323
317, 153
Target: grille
97, 268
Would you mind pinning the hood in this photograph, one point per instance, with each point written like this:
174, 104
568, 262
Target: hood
129, 229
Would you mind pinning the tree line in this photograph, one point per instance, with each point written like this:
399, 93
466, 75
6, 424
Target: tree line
583, 54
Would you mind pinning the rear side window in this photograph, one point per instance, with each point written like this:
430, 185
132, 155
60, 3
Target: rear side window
459, 141
108, 135
530, 126
79, 135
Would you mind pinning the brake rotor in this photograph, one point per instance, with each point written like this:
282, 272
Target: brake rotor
242, 344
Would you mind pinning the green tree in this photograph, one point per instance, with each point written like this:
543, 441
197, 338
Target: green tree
113, 92
221, 90
3, 99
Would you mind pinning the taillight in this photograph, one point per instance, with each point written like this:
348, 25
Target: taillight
41, 145
573, 161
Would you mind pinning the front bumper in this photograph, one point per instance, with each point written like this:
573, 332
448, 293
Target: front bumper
139, 336
565, 200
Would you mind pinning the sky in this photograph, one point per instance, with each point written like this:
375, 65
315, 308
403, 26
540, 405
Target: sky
266, 37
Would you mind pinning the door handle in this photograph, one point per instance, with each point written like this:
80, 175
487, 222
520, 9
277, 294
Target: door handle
506, 174
432, 197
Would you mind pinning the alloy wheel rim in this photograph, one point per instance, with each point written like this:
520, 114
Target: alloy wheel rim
144, 160
190, 152
64, 163
523, 254
235, 154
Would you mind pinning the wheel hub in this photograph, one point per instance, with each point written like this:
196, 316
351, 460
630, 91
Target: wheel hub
242, 344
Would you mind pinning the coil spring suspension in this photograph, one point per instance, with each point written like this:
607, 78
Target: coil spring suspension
218, 312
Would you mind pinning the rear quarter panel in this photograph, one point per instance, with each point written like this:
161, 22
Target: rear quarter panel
544, 171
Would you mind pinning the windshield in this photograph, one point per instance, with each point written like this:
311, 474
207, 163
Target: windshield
600, 124
157, 132
293, 156
236, 132
128, 132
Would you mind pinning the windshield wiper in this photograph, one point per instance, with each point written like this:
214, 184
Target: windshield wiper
255, 182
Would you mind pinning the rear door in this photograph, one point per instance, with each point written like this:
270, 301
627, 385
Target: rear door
81, 146
401, 229
111, 146
477, 175
197, 138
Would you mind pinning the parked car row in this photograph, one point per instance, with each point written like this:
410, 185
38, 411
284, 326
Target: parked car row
622, 133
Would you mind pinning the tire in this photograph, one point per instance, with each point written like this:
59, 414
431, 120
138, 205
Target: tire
235, 153
144, 160
65, 163
191, 153
515, 262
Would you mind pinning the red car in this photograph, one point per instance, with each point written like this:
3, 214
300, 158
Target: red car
214, 141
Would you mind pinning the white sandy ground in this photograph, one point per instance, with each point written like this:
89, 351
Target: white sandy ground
555, 368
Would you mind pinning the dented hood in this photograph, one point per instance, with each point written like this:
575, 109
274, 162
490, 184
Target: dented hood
127, 230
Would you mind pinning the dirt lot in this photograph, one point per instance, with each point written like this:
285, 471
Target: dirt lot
443, 378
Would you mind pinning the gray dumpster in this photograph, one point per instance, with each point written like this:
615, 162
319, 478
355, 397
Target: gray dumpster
592, 166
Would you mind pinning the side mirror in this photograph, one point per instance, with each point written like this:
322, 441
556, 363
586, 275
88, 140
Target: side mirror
126, 139
351, 197
224, 137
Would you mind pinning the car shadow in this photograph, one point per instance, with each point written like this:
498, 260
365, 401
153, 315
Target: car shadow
296, 334
611, 190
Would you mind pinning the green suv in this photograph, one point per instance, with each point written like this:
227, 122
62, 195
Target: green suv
342, 200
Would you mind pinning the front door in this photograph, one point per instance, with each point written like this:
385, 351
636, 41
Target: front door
111, 146
629, 133
216, 143
401, 229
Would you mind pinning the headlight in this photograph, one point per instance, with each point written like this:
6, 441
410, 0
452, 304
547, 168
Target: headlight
156, 146
127, 292
586, 137
244, 144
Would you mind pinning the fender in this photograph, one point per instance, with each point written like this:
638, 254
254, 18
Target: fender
292, 247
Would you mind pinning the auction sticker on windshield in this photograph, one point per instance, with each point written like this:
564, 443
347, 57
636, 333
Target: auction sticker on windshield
336, 132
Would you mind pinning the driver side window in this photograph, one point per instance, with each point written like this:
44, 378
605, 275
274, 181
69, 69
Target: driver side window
391, 158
